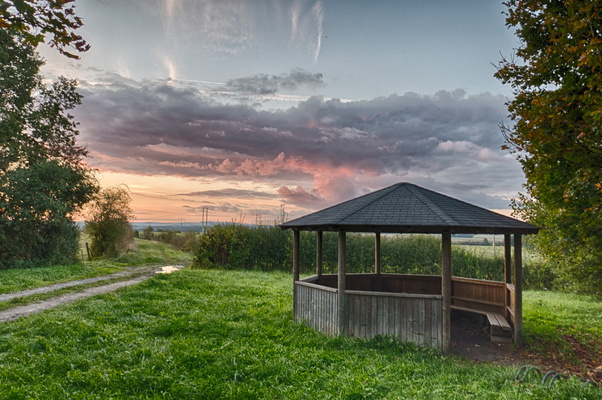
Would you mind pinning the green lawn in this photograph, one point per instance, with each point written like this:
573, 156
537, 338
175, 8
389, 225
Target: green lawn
566, 329
207, 334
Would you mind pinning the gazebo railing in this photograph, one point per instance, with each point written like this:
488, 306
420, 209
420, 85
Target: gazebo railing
408, 307
409, 317
477, 294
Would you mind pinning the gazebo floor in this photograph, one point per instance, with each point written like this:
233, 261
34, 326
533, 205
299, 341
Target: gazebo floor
470, 339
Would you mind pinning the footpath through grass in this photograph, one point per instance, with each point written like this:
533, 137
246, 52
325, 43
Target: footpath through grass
144, 253
206, 334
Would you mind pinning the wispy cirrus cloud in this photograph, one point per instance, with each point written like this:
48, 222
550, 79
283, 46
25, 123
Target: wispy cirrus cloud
233, 26
306, 22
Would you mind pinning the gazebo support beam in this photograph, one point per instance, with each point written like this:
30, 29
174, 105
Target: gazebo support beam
341, 283
296, 243
319, 252
377, 257
446, 286
507, 273
518, 289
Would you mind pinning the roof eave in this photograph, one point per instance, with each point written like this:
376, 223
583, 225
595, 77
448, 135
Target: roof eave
414, 229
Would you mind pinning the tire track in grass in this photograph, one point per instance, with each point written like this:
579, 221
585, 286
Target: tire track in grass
14, 313
59, 286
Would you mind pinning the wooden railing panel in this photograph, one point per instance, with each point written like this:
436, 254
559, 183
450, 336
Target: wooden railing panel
478, 294
419, 284
416, 319
317, 307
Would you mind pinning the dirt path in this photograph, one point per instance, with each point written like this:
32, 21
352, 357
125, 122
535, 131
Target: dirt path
140, 274
58, 286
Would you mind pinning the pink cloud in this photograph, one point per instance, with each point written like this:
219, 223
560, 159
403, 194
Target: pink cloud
300, 197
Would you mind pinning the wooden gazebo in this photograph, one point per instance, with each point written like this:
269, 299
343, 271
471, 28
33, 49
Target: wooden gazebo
414, 308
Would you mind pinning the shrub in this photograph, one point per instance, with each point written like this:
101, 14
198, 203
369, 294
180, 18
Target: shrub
37, 243
108, 222
243, 247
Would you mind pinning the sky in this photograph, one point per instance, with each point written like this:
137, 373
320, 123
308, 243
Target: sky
240, 109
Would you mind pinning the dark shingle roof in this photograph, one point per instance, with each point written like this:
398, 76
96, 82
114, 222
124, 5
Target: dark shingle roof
405, 207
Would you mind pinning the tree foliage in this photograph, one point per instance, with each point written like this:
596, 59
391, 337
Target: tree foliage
557, 130
108, 222
36, 19
43, 177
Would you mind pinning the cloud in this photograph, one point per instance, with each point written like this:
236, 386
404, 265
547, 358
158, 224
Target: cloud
313, 154
300, 197
223, 208
231, 193
235, 26
306, 21
270, 84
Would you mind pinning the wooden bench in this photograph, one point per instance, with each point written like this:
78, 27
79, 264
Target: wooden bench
500, 330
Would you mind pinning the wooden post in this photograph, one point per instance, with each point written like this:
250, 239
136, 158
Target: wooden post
377, 253
296, 244
378, 284
296, 267
319, 262
518, 289
507, 272
341, 283
446, 290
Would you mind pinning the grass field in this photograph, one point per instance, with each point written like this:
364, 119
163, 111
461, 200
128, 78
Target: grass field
144, 253
207, 334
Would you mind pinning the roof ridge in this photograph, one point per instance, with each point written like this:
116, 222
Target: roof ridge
438, 211
386, 191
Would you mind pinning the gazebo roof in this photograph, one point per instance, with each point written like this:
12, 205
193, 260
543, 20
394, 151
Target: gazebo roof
407, 208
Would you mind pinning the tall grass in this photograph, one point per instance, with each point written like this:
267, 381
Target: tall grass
211, 334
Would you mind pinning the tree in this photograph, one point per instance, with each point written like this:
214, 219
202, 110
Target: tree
557, 131
108, 222
36, 19
43, 177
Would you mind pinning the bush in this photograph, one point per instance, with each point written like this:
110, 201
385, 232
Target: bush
108, 222
37, 243
242, 247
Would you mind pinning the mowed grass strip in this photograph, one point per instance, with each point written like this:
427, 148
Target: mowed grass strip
206, 334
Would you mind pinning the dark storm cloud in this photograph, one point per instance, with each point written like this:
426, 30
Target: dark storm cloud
158, 129
271, 84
